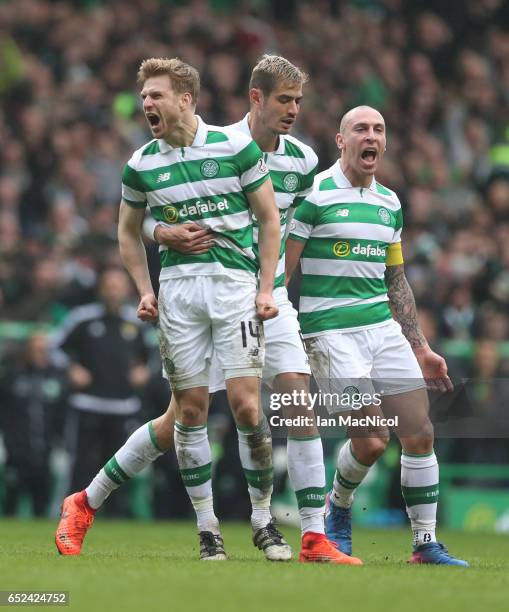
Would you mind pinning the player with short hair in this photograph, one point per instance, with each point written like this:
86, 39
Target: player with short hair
275, 94
359, 321
217, 178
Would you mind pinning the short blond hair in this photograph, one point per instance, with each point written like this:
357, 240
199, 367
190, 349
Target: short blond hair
184, 78
274, 69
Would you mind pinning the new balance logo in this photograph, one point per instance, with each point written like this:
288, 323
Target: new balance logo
165, 176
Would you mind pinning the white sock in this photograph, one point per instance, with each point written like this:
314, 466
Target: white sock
195, 463
307, 477
255, 451
139, 451
419, 485
350, 472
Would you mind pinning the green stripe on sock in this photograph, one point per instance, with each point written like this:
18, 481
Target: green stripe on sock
259, 479
414, 496
312, 497
186, 428
193, 477
423, 455
304, 438
153, 437
347, 484
115, 472
262, 423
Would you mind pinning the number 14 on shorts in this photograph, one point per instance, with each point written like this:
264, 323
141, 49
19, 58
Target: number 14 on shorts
251, 333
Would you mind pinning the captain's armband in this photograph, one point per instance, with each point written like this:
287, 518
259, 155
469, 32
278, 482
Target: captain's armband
394, 255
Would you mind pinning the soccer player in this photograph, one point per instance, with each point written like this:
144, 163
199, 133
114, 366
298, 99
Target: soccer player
275, 94
358, 318
211, 302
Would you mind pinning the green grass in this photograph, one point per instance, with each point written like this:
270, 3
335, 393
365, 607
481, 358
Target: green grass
145, 567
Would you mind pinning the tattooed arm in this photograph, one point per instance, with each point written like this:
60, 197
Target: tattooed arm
402, 305
404, 311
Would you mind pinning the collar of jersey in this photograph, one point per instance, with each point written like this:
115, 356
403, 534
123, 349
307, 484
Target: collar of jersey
243, 126
199, 139
342, 182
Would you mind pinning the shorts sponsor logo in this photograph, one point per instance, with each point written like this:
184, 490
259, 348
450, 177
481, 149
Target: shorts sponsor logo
384, 215
209, 168
170, 214
341, 249
291, 182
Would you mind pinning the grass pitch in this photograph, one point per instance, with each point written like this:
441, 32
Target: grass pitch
143, 567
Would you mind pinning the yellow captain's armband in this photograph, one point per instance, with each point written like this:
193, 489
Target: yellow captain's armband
394, 255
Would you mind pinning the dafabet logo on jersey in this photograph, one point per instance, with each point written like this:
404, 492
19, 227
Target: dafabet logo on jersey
341, 249
198, 209
171, 214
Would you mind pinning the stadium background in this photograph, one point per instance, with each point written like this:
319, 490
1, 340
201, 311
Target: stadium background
70, 117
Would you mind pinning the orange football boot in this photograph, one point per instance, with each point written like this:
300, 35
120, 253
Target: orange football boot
316, 548
75, 520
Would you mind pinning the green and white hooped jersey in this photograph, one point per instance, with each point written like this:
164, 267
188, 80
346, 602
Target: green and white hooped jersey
205, 183
292, 170
347, 231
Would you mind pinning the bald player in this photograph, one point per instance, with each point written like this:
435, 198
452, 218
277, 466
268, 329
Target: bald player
358, 317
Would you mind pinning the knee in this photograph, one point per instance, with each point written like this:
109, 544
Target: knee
417, 446
422, 442
368, 450
246, 413
192, 414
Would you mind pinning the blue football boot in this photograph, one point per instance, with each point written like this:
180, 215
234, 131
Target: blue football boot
435, 553
338, 525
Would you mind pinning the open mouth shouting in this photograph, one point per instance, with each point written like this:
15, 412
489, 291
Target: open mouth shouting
154, 121
369, 155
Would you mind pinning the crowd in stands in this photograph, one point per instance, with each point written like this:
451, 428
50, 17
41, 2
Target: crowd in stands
70, 117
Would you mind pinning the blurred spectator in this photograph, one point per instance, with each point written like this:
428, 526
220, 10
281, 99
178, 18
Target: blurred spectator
71, 115
103, 348
33, 398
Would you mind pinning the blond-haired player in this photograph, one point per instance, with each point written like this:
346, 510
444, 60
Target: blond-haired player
217, 178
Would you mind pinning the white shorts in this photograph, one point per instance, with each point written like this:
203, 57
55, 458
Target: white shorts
284, 348
201, 315
371, 361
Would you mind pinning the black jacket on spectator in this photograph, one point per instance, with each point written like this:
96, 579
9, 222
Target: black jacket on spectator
33, 405
107, 345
